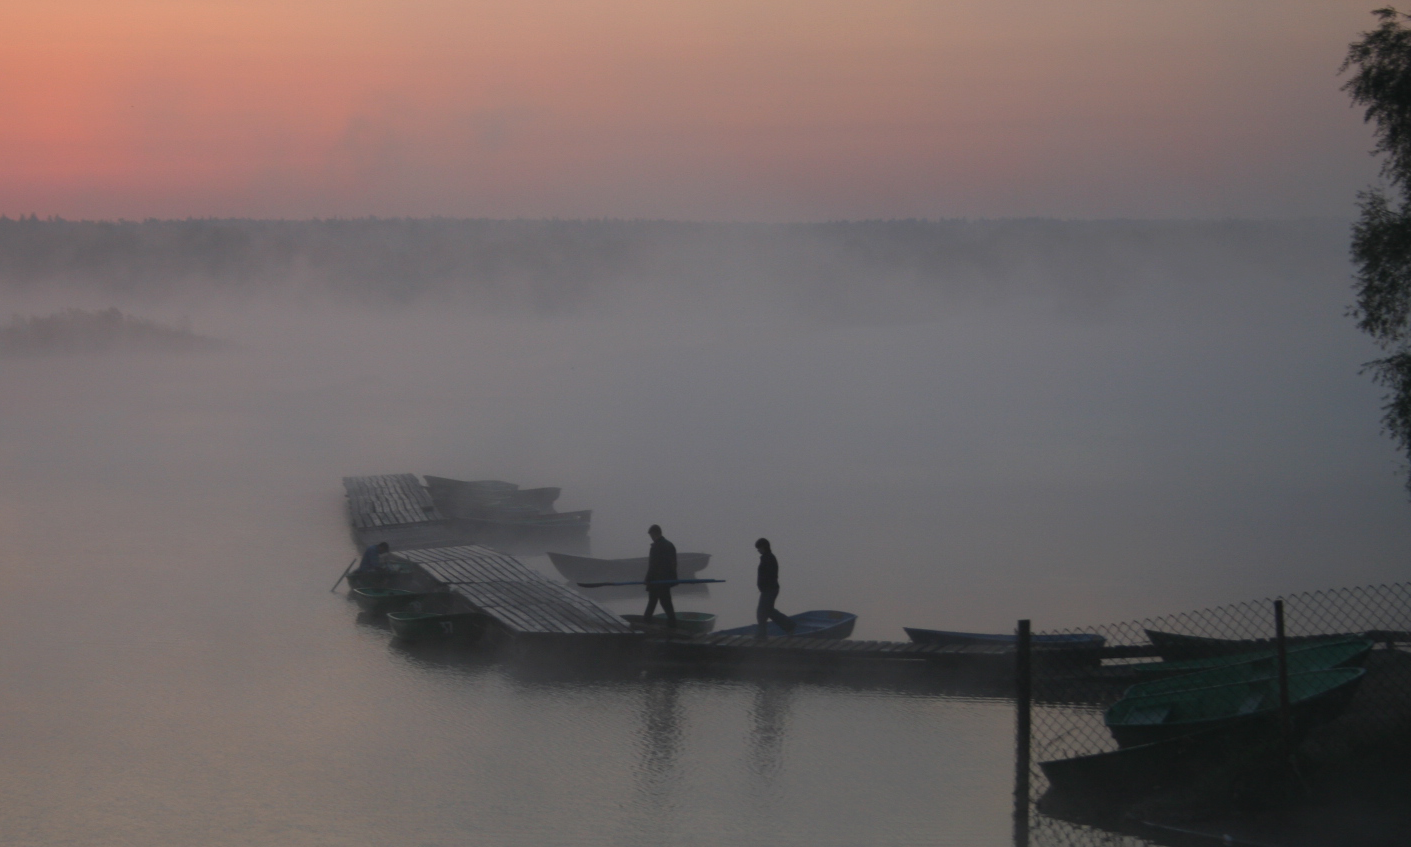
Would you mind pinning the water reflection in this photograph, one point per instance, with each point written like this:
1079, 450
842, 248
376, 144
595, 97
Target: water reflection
660, 742
769, 723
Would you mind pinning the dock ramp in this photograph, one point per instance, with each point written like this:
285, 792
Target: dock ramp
523, 601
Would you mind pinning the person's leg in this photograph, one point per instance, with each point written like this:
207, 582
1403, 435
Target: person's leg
668, 608
651, 605
777, 616
762, 612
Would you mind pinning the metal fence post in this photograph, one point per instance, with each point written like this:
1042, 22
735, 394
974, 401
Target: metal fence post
1022, 701
1283, 676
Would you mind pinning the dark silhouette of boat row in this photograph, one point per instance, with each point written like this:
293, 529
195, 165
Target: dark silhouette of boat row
1208, 712
398, 509
492, 506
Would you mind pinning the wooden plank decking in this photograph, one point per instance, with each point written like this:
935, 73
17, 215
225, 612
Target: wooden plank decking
523, 601
388, 500
395, 508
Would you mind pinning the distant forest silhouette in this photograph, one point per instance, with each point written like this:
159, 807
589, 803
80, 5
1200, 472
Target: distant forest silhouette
556, 265
103, 331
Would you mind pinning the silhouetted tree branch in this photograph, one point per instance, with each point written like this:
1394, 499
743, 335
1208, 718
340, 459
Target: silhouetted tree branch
1381, 237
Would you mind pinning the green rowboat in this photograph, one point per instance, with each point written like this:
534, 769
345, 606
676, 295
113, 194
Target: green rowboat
380, 600
1176, 647
1261, 665
1314, 697
431, 626
1156, 669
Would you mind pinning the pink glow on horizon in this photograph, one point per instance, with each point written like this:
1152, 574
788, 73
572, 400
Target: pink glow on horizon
782, 110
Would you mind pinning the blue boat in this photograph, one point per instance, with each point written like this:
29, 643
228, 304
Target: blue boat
819, 623
941, 636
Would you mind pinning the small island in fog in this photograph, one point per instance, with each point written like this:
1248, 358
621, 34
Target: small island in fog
104, 331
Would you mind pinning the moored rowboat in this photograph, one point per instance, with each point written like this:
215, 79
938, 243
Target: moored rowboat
1177, 647
379, 600
391, 572
425, 626
819, 623
1246, 667
696, 623
587, 569
1106, 783
1315, 697
534, 520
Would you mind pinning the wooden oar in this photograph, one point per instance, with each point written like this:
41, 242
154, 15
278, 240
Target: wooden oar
345, 573
653, 582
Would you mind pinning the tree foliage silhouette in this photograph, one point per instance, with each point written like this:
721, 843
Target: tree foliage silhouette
1381, 237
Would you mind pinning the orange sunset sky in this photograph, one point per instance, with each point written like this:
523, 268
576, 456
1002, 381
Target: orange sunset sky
693, 109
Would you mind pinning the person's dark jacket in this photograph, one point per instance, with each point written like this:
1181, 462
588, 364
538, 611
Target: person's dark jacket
372, 560
768, 578
661, 561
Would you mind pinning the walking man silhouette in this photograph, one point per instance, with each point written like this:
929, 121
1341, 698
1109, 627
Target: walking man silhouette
661, 565
768, 582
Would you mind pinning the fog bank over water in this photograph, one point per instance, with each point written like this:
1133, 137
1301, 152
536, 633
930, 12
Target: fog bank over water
938, 424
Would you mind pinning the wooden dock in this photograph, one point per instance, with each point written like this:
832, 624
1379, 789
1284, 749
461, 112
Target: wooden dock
397, 509
523, 602
388, 500
731, 647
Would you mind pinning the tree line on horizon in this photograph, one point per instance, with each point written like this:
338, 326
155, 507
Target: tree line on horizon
555, 264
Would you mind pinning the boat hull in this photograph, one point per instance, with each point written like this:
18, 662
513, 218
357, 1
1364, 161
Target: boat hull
819, 623
1105, 783
494, 511
381, 600
396, 577
1176, 647
429, 626
587, 569
1310, 657
696, 623
1315, 698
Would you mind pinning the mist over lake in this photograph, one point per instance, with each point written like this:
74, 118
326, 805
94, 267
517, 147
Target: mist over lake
938, 424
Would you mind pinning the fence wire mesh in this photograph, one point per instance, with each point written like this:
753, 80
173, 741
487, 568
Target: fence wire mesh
1206, 727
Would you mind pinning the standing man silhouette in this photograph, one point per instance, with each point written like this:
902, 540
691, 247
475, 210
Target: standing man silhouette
768, 582
661, 565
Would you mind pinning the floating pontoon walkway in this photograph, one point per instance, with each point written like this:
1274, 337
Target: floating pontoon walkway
521, 600
743, 647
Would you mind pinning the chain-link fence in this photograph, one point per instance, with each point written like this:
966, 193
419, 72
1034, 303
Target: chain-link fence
1210, 713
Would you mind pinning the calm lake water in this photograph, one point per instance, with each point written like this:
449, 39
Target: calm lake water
176, 678
177, 671
180, 674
